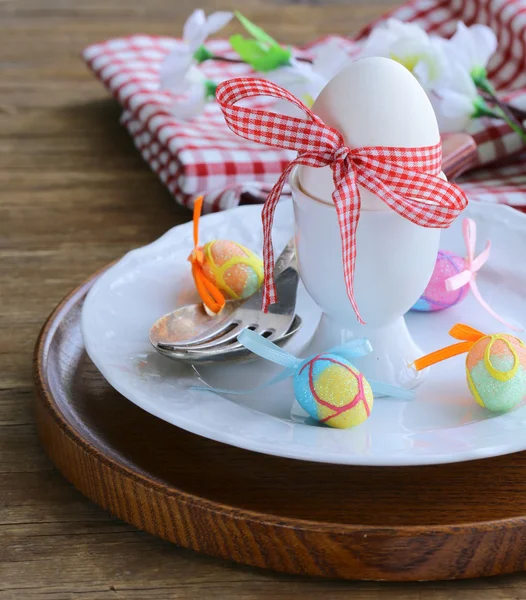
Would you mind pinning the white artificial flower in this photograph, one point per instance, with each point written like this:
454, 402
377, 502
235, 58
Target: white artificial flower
192, 105
195, 97
300, 79
456, 102
448, 70
471, 48
176, 70
199, 27
455, 97
330, 58
306, 80
409, 45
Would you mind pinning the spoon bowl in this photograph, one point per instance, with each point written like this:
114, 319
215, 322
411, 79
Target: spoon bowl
189, 322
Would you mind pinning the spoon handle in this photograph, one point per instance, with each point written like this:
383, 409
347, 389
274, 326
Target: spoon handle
286, 258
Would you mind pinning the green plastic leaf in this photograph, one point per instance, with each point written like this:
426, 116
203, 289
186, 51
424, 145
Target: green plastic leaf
481, 109
480, 79
210, 89
255, 31
260, 56
202, 54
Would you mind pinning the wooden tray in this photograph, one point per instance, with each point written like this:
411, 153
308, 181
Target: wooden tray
398, 524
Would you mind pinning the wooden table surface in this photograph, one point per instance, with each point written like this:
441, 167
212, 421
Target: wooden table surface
74, 195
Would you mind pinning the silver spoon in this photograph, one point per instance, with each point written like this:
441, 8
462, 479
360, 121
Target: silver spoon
189, 333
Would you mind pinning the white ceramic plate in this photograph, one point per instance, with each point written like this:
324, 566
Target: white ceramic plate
442, 425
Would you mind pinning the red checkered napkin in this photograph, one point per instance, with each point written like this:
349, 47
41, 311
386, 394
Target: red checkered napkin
195, 157
203, 156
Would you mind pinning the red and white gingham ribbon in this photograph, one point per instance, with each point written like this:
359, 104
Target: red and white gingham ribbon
390, 173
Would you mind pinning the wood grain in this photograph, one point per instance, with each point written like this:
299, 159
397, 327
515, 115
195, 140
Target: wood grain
74, 195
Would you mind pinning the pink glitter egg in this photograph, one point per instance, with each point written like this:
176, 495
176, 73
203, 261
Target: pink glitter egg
436, 296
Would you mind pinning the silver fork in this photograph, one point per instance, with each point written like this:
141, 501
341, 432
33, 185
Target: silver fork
274, 324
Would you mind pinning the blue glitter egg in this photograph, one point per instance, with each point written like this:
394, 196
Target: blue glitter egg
331, 390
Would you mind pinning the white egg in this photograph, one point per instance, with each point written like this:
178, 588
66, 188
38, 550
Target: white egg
372, 102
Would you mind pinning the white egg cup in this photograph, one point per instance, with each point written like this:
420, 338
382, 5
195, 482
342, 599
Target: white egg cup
394, 262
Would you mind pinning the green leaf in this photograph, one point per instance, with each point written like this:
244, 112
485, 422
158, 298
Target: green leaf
202, 54
255, 31
275, 57
260, 56
248, 50
210, 89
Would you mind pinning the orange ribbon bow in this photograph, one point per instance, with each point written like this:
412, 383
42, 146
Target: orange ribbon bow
468, 336
209, 293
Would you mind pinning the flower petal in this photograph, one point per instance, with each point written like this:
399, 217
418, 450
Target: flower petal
330, 59
174, 68
194, 31
453, 110
454, 104
485, 44
411, 46
300, 79
379, 41
192, 105
460, 48
462, 82
217, 20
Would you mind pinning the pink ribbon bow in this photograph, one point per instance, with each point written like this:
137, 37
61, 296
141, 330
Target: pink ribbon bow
473, 265
395, 175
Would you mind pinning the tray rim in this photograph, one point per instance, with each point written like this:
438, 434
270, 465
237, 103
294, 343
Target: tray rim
43, 390
232, 514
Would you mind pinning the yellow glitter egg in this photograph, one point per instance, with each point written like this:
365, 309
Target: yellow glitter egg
234, 269
496, 371
333, 391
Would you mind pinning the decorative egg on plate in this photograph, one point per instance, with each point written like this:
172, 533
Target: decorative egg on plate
496, 371
234, 269
436, 296
495, 366
328, 387
453, 277
333, 392
223, 269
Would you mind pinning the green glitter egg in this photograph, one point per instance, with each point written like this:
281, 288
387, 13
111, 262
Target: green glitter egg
496, 372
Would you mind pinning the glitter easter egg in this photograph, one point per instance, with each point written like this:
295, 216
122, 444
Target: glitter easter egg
333, 392
234, 269
436, 296
496, 371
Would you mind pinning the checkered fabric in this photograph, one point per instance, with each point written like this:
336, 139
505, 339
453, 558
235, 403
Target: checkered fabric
392, 174
203, 156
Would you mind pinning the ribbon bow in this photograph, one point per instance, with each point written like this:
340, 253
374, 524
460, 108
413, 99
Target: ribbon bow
210, 294
468, 337
473, 265
393, 174
268, 350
